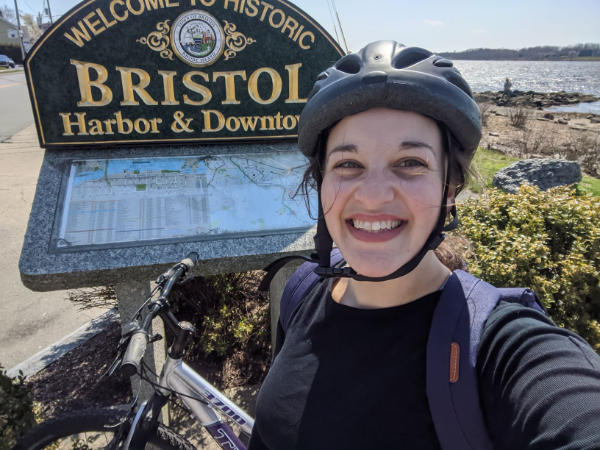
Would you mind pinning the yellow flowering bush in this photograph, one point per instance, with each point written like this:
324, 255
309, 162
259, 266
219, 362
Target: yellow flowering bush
548, 241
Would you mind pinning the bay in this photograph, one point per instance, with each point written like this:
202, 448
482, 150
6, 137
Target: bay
539, 76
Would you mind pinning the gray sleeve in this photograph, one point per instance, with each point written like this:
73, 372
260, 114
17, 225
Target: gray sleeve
539, 384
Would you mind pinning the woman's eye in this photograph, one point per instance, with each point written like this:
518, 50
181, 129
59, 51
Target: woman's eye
347, 165
410, 163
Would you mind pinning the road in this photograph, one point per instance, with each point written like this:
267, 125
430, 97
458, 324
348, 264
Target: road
29, 321
15, 109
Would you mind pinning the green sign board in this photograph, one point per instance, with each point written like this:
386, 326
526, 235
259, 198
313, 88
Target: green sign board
114, 72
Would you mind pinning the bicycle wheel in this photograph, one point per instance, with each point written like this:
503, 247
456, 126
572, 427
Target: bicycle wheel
91, 429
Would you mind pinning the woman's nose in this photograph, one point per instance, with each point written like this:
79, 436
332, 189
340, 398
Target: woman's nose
374, 189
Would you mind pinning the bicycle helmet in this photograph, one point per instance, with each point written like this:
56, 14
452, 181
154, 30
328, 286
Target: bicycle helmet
389, 74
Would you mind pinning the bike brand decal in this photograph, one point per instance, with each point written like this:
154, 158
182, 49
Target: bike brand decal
219, 404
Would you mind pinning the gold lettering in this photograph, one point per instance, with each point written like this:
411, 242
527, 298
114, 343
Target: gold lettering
106, 22
108, 123
253, 85
153, 122
289, 122
298, 32
195, 87
249, 123
168, 88
232, 123
266, 7
92, 25
154, 4
172, 4
129, 88
293, 96
141, 125
207, 122
67, 124
95, 127
263, 123
235, 4
86, 84
308, 34
229, 76
204, 2
135, 12
79, 35
121, 122
114, 13
290, 24
282, 17
252, 8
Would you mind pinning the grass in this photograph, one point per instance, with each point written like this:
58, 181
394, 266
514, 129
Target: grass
487, 162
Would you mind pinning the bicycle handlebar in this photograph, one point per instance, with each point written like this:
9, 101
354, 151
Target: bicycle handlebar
138, 342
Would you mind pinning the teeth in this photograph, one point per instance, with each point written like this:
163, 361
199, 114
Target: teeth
375, 227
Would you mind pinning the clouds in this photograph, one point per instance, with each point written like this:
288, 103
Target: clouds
433, 23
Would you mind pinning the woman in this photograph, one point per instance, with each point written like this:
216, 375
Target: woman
389, 132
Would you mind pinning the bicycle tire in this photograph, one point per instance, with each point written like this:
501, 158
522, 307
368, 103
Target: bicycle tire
98, 429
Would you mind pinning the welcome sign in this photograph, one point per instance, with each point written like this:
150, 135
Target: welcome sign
113, 72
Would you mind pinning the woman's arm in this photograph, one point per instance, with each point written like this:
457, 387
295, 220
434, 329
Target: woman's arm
539, 384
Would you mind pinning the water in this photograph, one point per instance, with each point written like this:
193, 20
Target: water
539, 76
592, 108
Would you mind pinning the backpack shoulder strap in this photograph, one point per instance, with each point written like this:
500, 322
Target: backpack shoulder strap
452, 387
299, 284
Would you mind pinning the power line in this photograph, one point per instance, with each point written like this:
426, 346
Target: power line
340, 25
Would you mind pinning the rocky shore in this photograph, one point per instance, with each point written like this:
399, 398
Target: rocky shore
531, 99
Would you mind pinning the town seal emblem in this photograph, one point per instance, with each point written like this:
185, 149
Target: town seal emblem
197, 38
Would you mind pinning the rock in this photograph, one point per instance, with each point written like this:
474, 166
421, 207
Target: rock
595, 119
492, 133
544, 173
549, 116
563, 121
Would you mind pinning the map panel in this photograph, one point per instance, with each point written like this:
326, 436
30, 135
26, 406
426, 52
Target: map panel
131, 200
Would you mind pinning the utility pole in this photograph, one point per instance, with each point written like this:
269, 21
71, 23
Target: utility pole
20, 31
49, 13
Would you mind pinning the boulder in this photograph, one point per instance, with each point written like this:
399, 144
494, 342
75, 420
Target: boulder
544, 173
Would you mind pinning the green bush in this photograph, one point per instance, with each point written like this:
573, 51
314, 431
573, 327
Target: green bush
232, 322
546, 240
16, 409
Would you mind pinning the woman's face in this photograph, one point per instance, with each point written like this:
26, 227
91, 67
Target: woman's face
382, 187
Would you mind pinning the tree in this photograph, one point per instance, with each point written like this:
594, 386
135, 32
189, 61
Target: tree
30, 25
8, 14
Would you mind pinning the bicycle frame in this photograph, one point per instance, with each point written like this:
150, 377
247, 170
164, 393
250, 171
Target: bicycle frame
179, 377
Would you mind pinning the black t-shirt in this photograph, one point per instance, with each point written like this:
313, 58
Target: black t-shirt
349, 378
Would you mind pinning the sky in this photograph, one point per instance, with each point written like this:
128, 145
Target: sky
438, 25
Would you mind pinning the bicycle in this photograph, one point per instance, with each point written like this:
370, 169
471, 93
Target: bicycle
137, 426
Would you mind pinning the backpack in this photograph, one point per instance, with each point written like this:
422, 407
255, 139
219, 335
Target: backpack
458, 319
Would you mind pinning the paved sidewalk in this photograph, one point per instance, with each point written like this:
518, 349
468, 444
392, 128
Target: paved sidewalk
29, 321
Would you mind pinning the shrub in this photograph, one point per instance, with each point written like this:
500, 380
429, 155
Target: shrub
518, 117
16, 409
232, 322
546, 240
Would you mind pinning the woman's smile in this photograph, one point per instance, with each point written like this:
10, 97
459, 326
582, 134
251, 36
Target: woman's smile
375, 228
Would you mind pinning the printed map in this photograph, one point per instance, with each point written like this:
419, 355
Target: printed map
130, 200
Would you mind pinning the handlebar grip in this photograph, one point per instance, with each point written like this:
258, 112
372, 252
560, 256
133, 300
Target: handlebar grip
134, 353
190, 260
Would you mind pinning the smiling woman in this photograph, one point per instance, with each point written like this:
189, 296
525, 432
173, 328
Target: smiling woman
389, 348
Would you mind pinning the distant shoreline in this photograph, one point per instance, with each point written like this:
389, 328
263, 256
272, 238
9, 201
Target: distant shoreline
576, 59
579, 52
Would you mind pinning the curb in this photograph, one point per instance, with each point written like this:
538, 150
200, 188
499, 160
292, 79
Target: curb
44, 358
